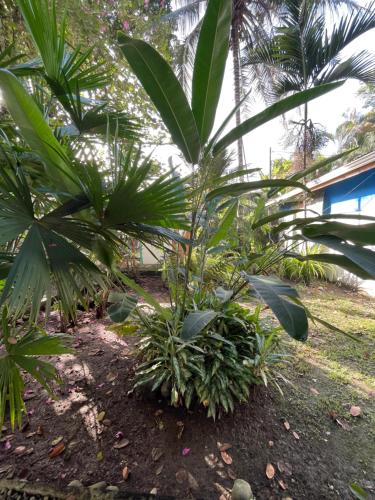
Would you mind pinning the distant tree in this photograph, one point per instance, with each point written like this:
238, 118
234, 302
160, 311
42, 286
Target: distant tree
95, 24
302, 52
358, 128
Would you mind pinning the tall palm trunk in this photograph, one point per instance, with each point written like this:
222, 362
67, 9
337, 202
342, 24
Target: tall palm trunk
237, 84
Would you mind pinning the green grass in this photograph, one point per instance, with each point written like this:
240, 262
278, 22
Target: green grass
342, 370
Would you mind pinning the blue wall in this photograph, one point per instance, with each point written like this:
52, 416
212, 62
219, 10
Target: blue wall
354, 188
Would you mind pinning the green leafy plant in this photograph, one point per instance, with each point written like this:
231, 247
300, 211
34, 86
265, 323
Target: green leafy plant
306, 270
19, 352
212, 358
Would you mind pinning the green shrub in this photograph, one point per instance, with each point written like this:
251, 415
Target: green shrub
306, 271
215, 368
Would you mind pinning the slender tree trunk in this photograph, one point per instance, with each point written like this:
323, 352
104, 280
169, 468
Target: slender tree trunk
237, 86
305, 117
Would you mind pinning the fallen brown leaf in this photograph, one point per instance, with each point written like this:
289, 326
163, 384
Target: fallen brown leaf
223, 446
125, 473
282, 485
355, 411
270, 471
314, 391
296, 435
159, 469
211, 460
286, 425
56, 450
121, 444
111, 377
20, 450
226, 458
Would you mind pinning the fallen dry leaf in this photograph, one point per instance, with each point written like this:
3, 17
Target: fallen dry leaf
99, 456
223, 446
282, 485
223, 491
111, 377
314, 391
226, 458
100, 416
156, 453
270, 471
57, 440
355, 411
296, 435
286, 425
125, 473
56, 450
343, 424
20, 450
121, 444
211, 460
159, 469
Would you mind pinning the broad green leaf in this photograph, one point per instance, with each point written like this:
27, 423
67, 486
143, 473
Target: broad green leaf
166, 313
337, 260
301, 222
37, 343
166, 93
363, 257
275, 216
36, 132
122, 305
209, 65
195, 322
363, 234
224, 226
273, 111
240, 188
273, 292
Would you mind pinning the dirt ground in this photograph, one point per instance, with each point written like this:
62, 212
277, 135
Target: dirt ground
317, 449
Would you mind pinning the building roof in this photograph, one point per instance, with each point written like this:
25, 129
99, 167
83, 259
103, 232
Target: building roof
355, 167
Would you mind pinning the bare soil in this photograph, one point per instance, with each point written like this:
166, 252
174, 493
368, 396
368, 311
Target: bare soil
313, 456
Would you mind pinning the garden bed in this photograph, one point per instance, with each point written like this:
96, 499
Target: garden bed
317, 449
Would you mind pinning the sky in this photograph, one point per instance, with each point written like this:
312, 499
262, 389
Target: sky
327, 110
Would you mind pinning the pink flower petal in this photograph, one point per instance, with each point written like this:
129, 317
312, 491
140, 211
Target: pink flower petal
185, 451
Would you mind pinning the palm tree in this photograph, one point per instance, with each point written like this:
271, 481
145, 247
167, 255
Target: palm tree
250, 22
303, 53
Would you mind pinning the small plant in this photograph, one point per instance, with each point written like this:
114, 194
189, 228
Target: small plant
214, 368
299, 269
19, 351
